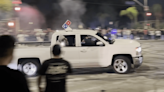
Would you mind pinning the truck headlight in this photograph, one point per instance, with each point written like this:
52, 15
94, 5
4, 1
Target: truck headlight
138, 49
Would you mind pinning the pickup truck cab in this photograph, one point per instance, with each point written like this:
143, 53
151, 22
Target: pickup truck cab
83, 49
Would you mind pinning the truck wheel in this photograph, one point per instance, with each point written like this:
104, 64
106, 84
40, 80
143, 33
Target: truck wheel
121, 65
29, 67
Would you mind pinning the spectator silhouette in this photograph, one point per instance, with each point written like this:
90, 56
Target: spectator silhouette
10, 80
55, 70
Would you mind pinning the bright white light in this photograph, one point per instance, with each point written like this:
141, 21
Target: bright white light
57, 30
62, 44
149, 14
10, 24
139, 49
17, 8
105, 37
111, 23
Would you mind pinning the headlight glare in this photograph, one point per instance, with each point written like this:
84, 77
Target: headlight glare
138, 49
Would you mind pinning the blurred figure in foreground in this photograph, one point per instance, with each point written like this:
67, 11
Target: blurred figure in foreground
55, 70
10, 80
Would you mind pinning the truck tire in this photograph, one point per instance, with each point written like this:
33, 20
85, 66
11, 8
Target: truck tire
29, 67
122, 65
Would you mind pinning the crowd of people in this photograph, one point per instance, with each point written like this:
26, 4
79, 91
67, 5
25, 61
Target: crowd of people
45, 35
142, 34
36, 35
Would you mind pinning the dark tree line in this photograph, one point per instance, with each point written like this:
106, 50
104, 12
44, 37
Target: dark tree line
97, 9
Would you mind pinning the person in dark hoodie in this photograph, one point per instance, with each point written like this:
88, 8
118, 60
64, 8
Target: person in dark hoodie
10, 80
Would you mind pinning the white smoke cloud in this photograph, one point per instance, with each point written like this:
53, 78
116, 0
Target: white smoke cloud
73, 10
30, 18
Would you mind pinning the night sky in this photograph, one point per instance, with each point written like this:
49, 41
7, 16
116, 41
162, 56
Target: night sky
88, 18
151, 2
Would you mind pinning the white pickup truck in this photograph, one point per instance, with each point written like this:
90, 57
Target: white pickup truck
84, 49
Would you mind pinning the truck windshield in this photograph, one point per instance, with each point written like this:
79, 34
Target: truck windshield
106, 39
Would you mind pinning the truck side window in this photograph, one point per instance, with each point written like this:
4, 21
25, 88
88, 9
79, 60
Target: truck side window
87, 40
68, 40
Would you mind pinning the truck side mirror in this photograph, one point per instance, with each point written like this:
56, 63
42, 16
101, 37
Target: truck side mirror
112, 41
99, 43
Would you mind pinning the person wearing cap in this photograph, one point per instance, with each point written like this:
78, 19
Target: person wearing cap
10, 80
55, 70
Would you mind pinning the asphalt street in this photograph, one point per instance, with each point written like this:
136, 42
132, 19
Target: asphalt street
148, 78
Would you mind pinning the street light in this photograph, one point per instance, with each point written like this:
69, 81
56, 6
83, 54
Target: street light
146, 9
17, 8
148, 14
10, 24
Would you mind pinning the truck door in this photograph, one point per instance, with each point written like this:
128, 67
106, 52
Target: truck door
90, 52
70, 52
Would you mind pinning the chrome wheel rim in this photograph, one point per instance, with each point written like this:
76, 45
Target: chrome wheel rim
120, 66
29, 69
